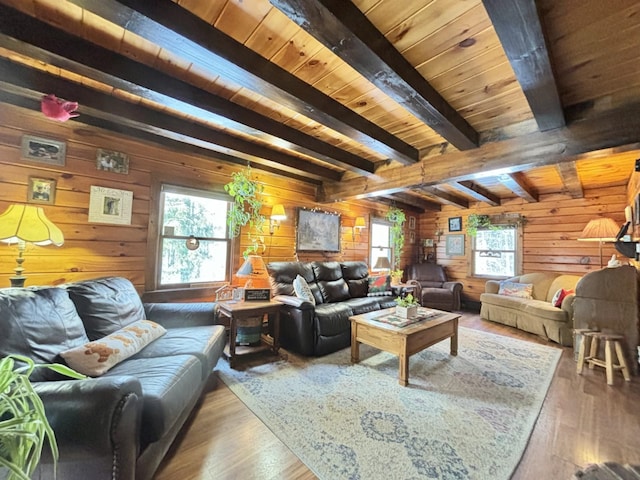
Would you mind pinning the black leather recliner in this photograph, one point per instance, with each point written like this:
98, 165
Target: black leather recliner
434, 290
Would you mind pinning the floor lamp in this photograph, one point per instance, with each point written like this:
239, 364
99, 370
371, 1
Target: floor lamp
600, 230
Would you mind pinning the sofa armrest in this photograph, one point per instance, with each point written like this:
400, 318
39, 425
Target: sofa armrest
172, 315
96, 422
492, 286
453, 286
567, 305
295, 302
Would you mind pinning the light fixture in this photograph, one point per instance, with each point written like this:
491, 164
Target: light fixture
192, 243
255, 271
382, 263
277, 215
600, 230
24, 224
358, 225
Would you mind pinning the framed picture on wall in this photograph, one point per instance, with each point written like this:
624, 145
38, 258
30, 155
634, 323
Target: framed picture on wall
111, 161
454, 245
317, 231
455, 224
43, 150
41, 190
412, 223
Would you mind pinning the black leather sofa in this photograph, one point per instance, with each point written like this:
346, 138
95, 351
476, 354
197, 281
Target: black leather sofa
120, 424
340, 290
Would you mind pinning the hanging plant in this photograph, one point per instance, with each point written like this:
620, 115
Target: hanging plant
475, 221
397, 219
245, 209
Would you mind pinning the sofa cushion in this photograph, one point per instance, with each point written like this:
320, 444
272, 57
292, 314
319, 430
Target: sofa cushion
97, 357
168, 384
379, 283
568, 282
355, 274
39, 323
203, 342
362, 305
512, 289
302, 290
332, 318
504, 300
544, 310
106, 304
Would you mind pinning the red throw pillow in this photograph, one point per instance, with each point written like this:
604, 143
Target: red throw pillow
559, 296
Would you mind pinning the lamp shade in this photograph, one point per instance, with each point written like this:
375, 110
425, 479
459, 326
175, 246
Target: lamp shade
26, 223
360, 223
278, 213
600, 230
382, 262
255, 271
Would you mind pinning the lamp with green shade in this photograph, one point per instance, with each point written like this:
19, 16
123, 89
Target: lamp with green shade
24, 224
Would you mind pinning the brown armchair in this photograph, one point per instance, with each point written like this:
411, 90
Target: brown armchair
433, 289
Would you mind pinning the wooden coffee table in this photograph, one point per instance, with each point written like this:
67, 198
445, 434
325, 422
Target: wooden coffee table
402, 341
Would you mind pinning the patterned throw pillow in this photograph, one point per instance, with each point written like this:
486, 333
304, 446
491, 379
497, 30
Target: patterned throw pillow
512, 289
301, 287
559, 296
97, 357
379, 283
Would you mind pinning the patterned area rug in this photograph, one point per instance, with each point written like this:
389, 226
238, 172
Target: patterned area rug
461, 417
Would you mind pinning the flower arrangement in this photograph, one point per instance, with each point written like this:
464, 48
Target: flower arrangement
407, 307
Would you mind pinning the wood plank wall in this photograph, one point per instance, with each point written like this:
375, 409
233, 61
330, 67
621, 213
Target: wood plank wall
92, 250
550, 233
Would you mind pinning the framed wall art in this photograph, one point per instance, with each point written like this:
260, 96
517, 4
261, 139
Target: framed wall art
317, 231
455, 245
455, 224
41, 190
111, 161
43, 150
109, 205
412, 223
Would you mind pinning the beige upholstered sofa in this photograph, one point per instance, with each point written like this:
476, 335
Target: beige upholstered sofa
537, 314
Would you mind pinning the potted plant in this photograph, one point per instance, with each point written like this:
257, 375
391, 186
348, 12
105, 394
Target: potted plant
396, 276
397, 219
245, 209
475, 221
23, 424
407, 307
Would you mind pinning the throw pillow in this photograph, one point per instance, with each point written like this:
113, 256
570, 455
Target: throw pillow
512, 289
97, 357
379, 283
559, 296
301, 287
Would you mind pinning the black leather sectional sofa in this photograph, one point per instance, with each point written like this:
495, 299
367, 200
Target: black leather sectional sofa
340, 290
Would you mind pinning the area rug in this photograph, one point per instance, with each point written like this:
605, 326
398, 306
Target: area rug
464, 417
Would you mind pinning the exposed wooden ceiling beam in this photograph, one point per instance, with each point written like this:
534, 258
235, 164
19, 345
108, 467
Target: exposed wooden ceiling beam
476, 191
31, 37
415, 201
175, 29
445, 197
517, 183
520, 32
152, 121
618, 128
393, 201
570, 179
343, 28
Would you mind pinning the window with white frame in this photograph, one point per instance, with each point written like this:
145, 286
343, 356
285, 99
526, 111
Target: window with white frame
495, 252
380, 243
198, 216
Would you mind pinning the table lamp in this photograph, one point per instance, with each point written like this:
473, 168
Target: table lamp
24, 224
255, 271
382, 263
600, 230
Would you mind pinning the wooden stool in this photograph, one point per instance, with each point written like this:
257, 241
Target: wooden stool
591, 340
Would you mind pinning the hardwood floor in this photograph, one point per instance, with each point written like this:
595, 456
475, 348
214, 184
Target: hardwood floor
582, 421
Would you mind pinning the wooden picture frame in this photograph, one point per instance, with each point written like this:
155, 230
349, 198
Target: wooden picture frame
455, 224
110, 205
317, 231
454, 245
43, 150
412, 223
412, 237
41, 190
112, 161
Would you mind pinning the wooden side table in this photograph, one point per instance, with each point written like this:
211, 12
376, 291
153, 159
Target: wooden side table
403, 289
236, 311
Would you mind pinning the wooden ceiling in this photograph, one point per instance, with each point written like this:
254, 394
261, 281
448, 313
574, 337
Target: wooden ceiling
421, 102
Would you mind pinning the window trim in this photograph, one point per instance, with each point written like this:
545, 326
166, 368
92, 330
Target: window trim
518, 267
153, 263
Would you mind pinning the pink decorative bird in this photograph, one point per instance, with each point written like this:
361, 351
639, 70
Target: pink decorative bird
58, 109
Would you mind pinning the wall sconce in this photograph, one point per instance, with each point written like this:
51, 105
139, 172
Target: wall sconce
277, 215
358, 225
438, 234
24, 224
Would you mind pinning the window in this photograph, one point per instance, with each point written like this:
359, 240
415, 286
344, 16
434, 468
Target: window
495, 252
186, 212
380, 243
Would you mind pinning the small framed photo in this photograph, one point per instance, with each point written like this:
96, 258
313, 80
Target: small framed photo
427, 242
455, 224
43, 150
455, 245
412, 223
412, 237
41, 190
111, 161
